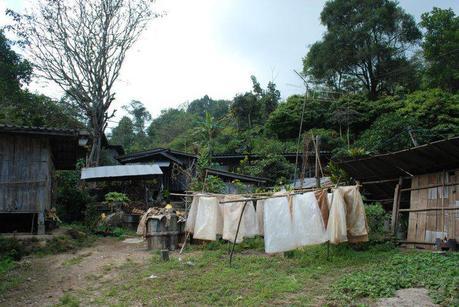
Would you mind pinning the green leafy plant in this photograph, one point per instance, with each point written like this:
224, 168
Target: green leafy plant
116, 197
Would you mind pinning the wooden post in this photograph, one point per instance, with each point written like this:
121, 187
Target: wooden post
165, 255
317, 150
396, 206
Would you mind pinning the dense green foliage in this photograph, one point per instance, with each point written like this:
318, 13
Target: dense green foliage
19, 106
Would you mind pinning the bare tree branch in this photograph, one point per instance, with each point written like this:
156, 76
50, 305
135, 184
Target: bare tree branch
81, 46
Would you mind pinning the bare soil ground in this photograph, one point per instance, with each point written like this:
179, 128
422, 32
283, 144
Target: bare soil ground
407, 298
48, 278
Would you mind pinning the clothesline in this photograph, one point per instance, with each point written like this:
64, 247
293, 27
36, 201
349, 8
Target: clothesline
295, 191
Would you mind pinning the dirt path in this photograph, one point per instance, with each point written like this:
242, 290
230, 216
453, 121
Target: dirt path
48, 278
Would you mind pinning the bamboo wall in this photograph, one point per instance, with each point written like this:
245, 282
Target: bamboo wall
427, 226
25, 174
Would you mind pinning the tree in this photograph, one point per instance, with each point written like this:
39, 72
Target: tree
254, 107
20, 107
140, 116
207, 130
216, 108
365, 46
245, 109
81, 46
123, 134
441, 48
170, 124
285, 120
14, 72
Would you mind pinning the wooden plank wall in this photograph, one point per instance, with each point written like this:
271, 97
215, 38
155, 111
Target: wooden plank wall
426, 226
25, 174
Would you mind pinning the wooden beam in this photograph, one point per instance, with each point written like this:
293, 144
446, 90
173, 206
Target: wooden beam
430, 186
396, 206
429, 209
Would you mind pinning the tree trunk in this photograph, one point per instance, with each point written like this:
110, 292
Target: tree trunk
96, 147
373, 89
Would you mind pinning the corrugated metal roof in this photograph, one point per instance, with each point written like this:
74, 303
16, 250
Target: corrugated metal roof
112, 172
428, 158
42, 130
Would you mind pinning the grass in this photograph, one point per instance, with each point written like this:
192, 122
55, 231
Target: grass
8, 280
202, 276
68, 301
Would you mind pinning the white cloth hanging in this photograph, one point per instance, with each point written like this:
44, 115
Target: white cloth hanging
308, 221
231, 213
291, 222
209, 221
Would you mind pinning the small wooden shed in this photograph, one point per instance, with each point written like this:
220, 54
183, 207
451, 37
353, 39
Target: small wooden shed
28, 158
419, 184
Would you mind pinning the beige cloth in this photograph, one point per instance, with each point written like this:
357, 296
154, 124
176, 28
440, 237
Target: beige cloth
191, 219
336, 227
357, 227
259, 212
347, 219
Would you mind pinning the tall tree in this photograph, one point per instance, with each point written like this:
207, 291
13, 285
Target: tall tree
123, 134
139, 114
216, 108
14, 72
441, 48
81, 45
364, 46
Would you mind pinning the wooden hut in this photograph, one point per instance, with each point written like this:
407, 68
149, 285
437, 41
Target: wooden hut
420, 185
28, 158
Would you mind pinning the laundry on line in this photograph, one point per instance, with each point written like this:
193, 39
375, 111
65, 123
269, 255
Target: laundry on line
286, 220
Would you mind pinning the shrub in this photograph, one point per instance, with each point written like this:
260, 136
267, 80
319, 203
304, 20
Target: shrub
116, 197
71, 197
376, 217
11, 248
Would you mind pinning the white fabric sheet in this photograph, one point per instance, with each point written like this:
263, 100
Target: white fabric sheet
231, 213
291, 222
208, 219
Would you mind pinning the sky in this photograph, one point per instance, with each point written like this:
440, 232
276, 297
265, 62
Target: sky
212, 47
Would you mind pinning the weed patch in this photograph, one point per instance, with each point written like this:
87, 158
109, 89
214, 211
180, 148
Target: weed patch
435, 272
